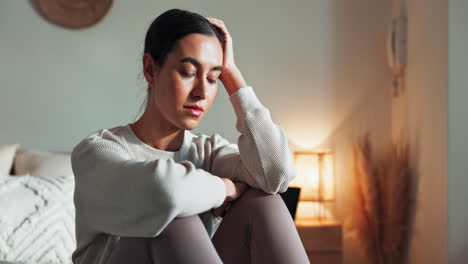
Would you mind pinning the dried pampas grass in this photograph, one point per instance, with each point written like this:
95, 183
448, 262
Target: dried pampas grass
382, 202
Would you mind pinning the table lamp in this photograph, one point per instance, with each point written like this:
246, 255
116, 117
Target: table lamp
315, 178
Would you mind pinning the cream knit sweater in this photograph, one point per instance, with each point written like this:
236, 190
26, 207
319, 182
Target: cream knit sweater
124, 187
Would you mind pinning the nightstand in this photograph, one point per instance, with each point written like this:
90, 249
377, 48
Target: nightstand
322, 241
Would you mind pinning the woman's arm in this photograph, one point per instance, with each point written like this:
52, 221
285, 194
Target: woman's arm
232, 80
118, 195
261, 158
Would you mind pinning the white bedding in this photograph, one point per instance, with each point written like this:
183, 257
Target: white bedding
36, 219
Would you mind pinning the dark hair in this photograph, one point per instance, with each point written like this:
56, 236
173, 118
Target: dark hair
169, 27
172, 25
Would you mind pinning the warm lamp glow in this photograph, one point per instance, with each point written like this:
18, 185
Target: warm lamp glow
314, 176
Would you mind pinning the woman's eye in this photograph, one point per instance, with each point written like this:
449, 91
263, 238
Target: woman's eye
187, 74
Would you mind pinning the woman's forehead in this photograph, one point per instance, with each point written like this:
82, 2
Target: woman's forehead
206, 50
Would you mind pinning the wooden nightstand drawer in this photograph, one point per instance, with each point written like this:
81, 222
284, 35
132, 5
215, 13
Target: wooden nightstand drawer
325, 258
322, 241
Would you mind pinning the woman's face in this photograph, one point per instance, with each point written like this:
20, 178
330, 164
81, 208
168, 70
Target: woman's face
188, 78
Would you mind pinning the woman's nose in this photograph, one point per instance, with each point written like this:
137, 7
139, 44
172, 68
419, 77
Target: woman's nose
200, 90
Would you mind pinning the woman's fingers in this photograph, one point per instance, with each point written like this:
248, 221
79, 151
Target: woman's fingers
220, 24
228, 58
215, 20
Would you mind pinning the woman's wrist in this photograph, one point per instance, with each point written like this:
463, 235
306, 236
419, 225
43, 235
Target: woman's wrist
227, 185
232, 79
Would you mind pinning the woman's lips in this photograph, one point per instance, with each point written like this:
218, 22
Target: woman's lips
193, 111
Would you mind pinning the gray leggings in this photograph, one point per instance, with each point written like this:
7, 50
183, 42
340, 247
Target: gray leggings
257, 228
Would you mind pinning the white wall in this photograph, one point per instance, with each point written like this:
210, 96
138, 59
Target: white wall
421, 115
458, 132
64, 84
319, 66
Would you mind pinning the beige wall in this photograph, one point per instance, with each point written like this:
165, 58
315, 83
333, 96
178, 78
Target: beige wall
421, 114
360, 96
319, 66
458, 132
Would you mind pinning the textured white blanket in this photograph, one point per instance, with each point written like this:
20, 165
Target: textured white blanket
36, 219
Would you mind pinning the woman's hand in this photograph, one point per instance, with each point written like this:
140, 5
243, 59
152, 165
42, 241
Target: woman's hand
233, 191
231, 76
228, 59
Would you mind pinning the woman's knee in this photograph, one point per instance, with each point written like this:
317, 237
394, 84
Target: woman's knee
146, 250
184, 240
179, 226
256, 196
258, 201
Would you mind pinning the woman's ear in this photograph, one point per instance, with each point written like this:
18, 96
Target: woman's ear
150, 69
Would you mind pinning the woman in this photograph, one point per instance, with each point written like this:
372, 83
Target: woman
153, 192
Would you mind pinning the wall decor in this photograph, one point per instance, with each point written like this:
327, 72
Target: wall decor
73, 14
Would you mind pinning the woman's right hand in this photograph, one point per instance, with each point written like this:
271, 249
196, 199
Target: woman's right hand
234, 189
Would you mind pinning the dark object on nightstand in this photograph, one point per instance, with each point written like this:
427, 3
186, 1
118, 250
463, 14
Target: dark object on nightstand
291, 198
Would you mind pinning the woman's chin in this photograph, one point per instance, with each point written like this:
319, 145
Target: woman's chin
190, 124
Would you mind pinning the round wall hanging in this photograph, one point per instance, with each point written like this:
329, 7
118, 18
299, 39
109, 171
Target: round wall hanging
73, 14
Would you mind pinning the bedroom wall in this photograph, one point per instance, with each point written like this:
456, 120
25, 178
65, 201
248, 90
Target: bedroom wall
458, 131
59, 85
319, 66
361, 96
420, 114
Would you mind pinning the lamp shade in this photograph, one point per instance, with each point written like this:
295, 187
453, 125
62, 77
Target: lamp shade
314, 175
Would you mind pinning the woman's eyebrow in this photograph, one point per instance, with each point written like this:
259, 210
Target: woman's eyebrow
197, 63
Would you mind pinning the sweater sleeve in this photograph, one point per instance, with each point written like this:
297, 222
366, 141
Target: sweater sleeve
261, 158
123, 196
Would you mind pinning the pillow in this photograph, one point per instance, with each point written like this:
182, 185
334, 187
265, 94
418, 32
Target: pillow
42, 163
38, 226
7, 155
